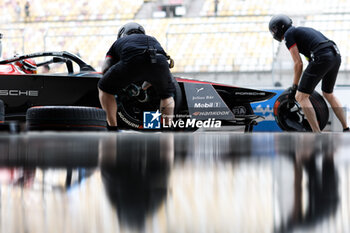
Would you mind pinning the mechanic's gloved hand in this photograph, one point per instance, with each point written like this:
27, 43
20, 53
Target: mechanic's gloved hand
291, 96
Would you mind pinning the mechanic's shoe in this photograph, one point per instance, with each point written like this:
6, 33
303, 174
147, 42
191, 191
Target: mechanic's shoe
113, 129
346, 130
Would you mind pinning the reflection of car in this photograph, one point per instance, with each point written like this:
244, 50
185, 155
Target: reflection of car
78, 87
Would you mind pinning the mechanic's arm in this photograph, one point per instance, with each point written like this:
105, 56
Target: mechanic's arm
107, 63
298, 64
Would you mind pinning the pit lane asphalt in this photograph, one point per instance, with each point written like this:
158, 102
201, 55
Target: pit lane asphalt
174, 182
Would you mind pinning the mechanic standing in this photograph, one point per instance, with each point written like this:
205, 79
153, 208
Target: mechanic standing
324, 62
133, 57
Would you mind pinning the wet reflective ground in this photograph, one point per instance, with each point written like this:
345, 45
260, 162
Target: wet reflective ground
195, 182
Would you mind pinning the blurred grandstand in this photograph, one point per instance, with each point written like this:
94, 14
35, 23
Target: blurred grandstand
220, 40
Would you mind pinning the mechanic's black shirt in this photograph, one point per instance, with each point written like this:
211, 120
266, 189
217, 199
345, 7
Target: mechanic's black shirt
306, 39
125, 48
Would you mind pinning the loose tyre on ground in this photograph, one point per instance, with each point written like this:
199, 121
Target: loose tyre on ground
292, 118
66, 118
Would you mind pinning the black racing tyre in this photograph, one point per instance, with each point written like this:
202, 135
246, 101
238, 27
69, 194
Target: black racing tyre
66, 118
2, 112
292, 118
131, 109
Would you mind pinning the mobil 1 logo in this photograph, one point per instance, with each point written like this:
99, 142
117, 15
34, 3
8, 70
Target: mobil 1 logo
204, 102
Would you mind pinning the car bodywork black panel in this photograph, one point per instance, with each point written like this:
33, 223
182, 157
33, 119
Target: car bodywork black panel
22, 92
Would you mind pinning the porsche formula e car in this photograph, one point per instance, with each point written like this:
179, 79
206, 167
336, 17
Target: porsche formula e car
77, 86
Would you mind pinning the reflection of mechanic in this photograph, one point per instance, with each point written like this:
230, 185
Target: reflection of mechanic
136, 177
324, 62
315, 197
28, 66
134, 57
322, 192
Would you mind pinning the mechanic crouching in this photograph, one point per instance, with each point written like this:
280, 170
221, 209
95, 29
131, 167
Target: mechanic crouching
133, 57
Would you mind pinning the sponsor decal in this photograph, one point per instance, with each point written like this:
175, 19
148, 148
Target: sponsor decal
19, 93
208, 97
239, 110
266, 111
127, 121
199, 89
204, 102
151, 120
212, 113
207, 105
250, 93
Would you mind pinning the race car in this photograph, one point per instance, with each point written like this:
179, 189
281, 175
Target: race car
77, 86
20, 90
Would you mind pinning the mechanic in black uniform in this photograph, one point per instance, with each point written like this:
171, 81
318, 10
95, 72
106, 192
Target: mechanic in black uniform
135, 56
324, 62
